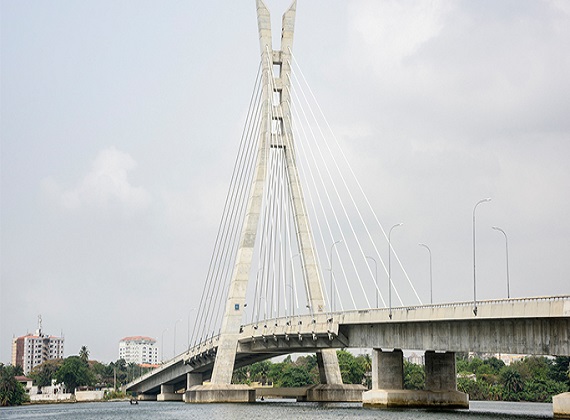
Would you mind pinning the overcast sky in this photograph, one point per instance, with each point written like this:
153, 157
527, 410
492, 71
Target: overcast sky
120, 122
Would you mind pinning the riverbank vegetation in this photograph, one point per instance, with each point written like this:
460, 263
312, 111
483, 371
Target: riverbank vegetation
76, 371
12, 392
535, 379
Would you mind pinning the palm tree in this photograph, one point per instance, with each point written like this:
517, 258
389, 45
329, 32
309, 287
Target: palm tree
84, 354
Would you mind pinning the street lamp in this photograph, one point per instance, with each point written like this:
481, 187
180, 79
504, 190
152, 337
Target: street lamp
332, 290
474, 275
375, 277
162, 345
507, 254
174, 346
390, 269
430, 275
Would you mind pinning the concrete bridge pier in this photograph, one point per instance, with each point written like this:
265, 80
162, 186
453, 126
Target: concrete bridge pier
388, 382
198, 392
561, 406
167, 393
192, 380
331, 388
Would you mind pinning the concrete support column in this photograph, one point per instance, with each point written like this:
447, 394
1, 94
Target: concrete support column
167, 394
329, 371
388, 380
387, 369
193, 379
441, 374
331, 388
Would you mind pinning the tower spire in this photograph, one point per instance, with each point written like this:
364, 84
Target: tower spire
276, 132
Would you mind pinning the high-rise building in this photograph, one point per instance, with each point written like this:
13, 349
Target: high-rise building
33, 349
139, 350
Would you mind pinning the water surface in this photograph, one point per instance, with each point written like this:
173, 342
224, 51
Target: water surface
267, 410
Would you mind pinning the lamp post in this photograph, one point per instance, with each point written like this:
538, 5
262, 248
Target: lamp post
430, 275
188, 336
390, 269
332, 290
174, 346
162, 345
507, 255
474, 272
375, 277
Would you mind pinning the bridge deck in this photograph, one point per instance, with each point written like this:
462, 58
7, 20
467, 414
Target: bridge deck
526, 326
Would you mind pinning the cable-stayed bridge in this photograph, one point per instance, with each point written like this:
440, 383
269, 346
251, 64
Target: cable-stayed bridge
299, 266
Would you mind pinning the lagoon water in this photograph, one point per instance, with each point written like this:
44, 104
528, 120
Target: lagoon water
267, 410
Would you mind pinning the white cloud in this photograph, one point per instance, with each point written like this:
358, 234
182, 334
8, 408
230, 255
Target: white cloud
393, 30
105, 187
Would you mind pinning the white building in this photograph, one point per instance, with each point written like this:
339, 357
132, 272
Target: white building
139, 350
34, 349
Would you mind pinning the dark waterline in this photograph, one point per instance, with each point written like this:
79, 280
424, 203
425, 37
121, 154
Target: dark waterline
269, 410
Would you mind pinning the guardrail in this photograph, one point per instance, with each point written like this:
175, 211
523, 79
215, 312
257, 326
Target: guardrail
327, 317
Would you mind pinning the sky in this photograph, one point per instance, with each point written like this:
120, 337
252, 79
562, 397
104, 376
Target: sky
120, 123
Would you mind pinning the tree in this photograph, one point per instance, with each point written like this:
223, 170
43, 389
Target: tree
352, 369
560, 370
258, 371
104, 374
241, 375
44, 373
120, 371
414, 376
84, 354
294, 376
512, 382
11, 391
73, 373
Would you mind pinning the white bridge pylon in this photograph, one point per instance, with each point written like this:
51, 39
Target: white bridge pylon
278, 254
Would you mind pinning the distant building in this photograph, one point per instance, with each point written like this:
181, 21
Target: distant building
139, 350
32, 350
418, 359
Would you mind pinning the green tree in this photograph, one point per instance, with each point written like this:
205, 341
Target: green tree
560, 370
73, 373
414, 376
477, 390
119, 371
241, 375
495, 364
258, 371
512, 382
103, 373
351, 368
542, 390
44, 373
84, 354
294, 376
11, 391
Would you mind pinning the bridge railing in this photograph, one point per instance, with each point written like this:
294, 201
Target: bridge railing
193, 351
327, 322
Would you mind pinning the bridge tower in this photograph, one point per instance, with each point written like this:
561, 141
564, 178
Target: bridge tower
276, 133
